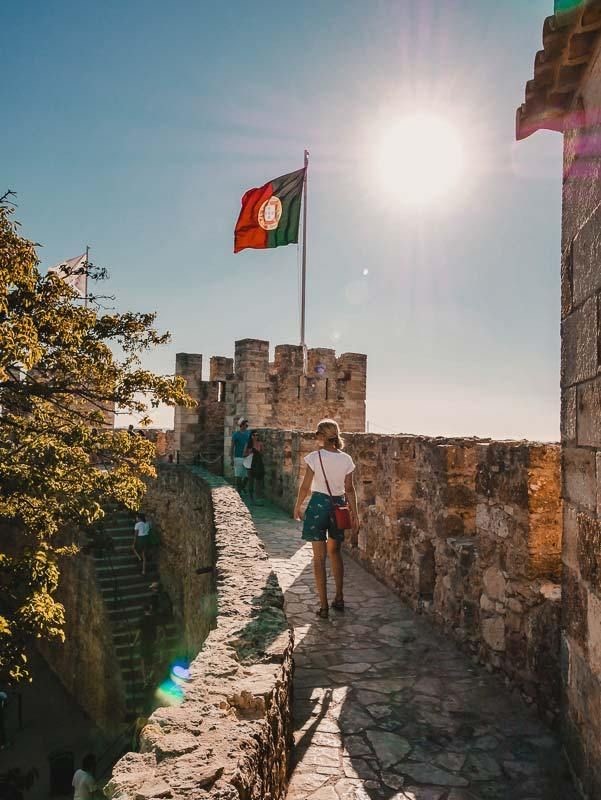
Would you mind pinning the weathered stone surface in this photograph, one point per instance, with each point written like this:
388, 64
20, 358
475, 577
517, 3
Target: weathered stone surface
86, 662
388, 747
493, 631
579, 344
463, 530
589, 550
428, 773
495, 583
153, 789
176, 502
448, 722
581, 410
230, 737
579, 477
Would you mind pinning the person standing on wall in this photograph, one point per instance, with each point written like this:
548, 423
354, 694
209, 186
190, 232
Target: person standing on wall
84, 782
329, 480
141, 540
255, 467
239, 441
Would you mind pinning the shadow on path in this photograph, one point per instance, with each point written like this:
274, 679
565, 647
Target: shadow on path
387, 707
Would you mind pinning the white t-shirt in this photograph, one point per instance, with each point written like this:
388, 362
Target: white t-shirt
142, 528
84, 785
337, 466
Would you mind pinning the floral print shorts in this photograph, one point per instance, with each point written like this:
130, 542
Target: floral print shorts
319, 524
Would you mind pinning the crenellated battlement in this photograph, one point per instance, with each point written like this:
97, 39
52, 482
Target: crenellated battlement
276, 394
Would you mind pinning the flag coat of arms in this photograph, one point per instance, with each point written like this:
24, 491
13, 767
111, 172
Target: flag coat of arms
270, 214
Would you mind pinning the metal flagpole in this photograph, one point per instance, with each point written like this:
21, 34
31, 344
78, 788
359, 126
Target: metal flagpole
85, 297
304, 266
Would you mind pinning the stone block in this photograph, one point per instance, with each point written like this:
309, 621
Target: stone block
570, 537
589, 550
594, 633
486, 604
568, 415
579, 344
493, 632
586, 258
575, 606
495, 583
588, 414
579, 477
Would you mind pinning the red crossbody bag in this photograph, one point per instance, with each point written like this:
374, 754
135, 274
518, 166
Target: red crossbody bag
340, 514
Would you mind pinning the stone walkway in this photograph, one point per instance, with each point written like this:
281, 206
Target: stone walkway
386, 707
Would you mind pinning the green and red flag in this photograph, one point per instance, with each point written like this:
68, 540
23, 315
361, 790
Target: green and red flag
270, 215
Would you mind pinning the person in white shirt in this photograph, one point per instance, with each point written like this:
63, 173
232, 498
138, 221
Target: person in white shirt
140, 544
329, 480
84, 783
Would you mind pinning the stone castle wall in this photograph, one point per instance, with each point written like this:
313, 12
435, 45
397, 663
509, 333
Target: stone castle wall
183, 520
86, 663
581, 435
199, 431
164, 441
231, 736
467, 531
277, 394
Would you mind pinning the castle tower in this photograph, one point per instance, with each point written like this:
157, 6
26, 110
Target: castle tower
189, 367
270, 395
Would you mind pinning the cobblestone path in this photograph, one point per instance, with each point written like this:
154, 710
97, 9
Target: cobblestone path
387, 707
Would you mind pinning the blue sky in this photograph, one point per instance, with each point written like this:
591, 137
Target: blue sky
136, 126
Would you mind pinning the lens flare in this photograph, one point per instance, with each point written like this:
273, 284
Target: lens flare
171, 692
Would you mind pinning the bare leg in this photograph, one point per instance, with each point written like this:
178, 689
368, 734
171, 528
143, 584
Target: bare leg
335, 557
319, 570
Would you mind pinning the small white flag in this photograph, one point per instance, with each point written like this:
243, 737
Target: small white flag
67, 270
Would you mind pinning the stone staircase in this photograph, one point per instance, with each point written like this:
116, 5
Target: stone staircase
126, 593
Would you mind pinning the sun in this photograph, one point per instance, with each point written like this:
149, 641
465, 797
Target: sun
420, 158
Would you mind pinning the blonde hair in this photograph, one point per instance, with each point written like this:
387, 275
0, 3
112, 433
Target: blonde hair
329, 431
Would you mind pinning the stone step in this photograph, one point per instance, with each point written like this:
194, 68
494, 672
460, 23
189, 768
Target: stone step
120, 635
128, 577
132, 612
124, 584
123, 546
125, 593
120, 527
126, 600
118, 558
122, 557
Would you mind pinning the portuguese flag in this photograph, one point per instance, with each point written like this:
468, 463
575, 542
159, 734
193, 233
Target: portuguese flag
270, 215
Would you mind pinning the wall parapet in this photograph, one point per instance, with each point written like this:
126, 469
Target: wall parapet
284, 393
467, 531
231, 735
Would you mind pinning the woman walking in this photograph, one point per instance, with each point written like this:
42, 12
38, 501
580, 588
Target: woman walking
256, 471
329, 481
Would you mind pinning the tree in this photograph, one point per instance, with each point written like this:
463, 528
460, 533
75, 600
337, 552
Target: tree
65, 365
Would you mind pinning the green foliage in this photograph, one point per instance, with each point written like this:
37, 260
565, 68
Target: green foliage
65, 366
